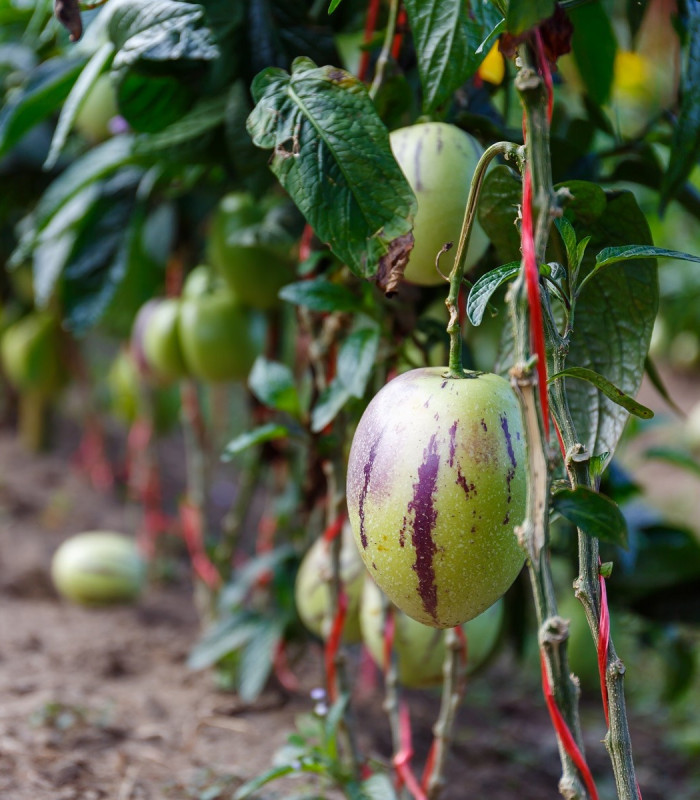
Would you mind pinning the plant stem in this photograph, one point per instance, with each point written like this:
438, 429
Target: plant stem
452, 692
547, 205
533, 533
385, 53
508, 150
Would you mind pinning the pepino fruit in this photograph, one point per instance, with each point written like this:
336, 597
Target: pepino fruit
98, 568
312, 587
438, 161
436, 485
420, 649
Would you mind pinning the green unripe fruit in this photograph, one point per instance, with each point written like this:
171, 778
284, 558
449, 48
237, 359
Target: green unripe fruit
98, 568
253, 269
217, 338
438, 161
420, 649
31, 356
312, 587
161, 341
436, 485
97, 110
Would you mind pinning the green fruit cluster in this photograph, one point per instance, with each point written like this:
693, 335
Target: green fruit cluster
207, 333
436, 485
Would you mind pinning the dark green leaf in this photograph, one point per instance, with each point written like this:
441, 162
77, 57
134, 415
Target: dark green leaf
319, 294
47, 87
98, 261
482, 291
257, 659
525, 14
273, 384
356, 359
614, 318
329, 404
447, 34
331, 151
607, 388
568, 236
265, 433
96, 164
678, 458
160, 31
208, 114
685, 144
594, 46
498, 207
595, 514
74, 102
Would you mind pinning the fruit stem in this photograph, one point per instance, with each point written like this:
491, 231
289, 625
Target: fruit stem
32, 412
452, 692
507, 150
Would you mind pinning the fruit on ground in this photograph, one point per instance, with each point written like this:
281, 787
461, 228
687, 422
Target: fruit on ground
438, 161
161, 340
436, 485
312, 591
30, 351
254, 268
420, 649
98, 568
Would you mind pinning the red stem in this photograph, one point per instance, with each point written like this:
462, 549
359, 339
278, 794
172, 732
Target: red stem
370, 25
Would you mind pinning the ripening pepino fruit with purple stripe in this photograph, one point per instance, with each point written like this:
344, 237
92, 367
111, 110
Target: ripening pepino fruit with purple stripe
436, 485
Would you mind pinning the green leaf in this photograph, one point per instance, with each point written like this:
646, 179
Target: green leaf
333, 5
329, 404
257, 659
594, 46
160, 31
612, 255
96, 164
264, 433
525, 14
164, 50
498, 206
685, 142
482, 291
447, 34
678, 458
568, 236
207, 115
594, 513
379, 787
47, 87
614, 319
97, 264
319, 294
607, 388
222, 638
74, 102
268, 776
356, 359
273, 384
331, 151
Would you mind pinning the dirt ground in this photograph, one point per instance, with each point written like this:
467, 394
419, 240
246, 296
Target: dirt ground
101, 704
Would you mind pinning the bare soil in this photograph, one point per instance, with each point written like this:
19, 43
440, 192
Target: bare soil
100, 704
